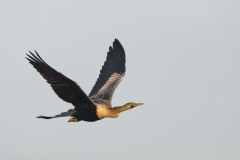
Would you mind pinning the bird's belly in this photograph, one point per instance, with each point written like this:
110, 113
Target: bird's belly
89, 118
86, 115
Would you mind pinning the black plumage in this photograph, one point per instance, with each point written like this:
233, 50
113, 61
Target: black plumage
98, 104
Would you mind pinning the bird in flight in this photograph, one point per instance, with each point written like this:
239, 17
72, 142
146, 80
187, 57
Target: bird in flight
97, 105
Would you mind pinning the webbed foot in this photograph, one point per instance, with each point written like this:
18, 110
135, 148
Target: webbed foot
73, 120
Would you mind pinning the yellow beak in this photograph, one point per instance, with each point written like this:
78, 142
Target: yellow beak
138, 104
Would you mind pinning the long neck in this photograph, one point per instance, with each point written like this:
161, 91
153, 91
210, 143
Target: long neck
123, 108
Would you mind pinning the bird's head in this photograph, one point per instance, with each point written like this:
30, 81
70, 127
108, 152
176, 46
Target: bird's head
127, 106
133, 104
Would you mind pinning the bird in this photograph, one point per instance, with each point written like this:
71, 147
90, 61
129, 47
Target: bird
97, 105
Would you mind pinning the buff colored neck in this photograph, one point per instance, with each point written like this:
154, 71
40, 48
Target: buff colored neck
123, 108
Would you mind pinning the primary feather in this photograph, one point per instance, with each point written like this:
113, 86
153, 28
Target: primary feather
111, 74
64, 87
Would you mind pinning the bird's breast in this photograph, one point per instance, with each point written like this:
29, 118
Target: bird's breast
104, 111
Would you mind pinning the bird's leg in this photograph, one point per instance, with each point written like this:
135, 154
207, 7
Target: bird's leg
73, 120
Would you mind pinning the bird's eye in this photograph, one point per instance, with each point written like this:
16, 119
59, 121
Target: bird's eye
133, 105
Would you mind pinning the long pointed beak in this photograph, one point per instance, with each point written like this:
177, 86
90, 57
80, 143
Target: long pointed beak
138, 104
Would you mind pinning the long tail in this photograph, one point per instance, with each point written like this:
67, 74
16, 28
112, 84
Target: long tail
46, 117
63, 114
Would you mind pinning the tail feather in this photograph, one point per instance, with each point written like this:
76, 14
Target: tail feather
45, 117
70, 112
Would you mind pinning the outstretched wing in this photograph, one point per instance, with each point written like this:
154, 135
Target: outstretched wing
64, 87
111, 74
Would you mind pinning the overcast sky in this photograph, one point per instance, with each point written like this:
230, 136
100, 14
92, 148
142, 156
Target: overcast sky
182, 62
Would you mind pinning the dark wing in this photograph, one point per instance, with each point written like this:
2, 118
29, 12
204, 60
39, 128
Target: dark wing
111, 74
64, 87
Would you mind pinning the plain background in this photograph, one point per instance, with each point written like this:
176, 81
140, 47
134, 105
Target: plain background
182, 62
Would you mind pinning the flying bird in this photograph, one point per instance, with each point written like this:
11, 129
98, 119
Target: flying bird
97, 105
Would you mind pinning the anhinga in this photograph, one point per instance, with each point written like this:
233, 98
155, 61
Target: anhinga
97, 105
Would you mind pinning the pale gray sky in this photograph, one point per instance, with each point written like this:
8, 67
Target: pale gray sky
182, 62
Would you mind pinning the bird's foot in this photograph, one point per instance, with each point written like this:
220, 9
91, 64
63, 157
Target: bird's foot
73, 120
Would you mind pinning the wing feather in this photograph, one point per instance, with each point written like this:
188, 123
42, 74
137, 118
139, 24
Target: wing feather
111, 74
64, 87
